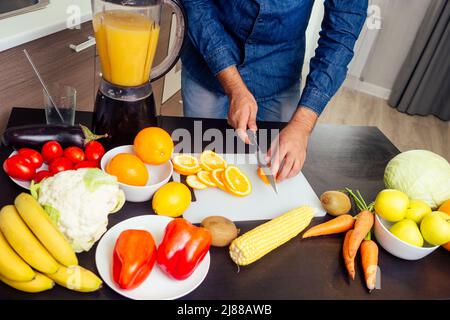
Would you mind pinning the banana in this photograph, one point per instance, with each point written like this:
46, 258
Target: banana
24, 242
43, 228
76, 278
12, 266
38, 284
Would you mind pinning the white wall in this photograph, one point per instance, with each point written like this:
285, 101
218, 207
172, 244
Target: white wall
312, 36
400, 22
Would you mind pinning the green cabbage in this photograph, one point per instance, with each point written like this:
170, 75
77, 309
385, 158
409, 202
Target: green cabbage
421, 174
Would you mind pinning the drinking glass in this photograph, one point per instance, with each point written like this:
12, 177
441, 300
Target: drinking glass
65, 98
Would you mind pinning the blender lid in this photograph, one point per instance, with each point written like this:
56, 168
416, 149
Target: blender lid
134, 3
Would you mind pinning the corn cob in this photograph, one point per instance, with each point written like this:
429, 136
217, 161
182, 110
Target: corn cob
256, 243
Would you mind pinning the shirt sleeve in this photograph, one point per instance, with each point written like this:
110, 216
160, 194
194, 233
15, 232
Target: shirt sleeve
208, 34
341, 25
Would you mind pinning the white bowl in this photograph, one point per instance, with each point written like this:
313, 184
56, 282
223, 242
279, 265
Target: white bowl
158, 176
397, 247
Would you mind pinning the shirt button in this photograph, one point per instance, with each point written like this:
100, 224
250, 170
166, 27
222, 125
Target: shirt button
260, 20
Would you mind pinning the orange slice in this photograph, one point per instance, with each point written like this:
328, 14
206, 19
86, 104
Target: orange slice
263, 176
236, 181
185, 164
217, 178
209, 161
195, 183
205, 178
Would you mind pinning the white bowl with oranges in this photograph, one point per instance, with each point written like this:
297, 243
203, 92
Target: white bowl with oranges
141, 168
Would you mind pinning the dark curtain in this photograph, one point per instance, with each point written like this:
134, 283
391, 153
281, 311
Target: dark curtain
423, 84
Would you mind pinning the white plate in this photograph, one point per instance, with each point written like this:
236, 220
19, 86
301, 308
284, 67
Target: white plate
158, 285
26, 184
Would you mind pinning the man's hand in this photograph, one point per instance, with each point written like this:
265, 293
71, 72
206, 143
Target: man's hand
243, 107
288, 152
242, 113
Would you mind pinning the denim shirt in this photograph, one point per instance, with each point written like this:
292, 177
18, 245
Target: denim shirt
265, 39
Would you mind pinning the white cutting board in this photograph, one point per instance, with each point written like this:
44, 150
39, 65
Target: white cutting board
262, 204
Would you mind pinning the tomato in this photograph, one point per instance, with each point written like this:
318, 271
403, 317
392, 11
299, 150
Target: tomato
19, 167
51, 150
33, 156
41, 175
86, 164
74, 154
94, 151
60, 164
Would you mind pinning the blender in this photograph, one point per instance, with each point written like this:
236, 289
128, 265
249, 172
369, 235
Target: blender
126, 34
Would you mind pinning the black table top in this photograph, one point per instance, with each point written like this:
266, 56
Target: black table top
338, 157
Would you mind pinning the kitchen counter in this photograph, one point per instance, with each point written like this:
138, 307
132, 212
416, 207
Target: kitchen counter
338, 157
37, 24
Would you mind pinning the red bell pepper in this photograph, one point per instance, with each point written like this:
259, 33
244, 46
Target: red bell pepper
183, 248
133, 259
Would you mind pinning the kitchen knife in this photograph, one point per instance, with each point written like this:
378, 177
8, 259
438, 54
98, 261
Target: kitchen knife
262, 163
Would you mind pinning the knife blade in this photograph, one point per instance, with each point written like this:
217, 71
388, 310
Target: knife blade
262, 163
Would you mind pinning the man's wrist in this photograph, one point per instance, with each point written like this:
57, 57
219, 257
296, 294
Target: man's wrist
305, 119
231, 81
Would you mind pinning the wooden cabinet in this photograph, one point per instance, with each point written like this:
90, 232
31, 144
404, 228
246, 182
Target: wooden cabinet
19, 86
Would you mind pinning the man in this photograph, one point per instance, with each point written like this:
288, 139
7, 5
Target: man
243, 60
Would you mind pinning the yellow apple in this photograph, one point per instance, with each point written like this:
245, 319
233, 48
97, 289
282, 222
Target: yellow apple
417, 210
435, 228
391, 205
408, 231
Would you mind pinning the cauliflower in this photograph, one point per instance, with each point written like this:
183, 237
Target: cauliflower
78, 202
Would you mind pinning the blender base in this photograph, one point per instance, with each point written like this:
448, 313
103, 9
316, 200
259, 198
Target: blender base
122, 120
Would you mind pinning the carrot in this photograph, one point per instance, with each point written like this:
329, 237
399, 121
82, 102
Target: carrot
349, 262
369, 259
363, 224
339, 224
361, 237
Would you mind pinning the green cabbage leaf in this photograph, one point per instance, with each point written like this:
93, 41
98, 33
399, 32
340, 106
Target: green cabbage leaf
421, 174
95, 178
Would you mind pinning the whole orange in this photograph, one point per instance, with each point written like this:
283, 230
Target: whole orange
128, 169
445, 207
153, 145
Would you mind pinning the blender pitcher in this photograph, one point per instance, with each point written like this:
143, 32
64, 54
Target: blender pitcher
127, 33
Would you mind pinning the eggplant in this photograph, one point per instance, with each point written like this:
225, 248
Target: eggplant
36, 135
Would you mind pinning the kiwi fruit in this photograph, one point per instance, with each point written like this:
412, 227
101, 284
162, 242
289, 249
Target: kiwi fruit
335, 203
222, 230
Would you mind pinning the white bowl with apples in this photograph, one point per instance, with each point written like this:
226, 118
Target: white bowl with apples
406, 228
396, 246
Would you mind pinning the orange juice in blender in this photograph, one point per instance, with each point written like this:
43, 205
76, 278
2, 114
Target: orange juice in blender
126, 32
126, 44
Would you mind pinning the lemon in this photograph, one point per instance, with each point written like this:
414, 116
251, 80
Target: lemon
171, 199
391, 205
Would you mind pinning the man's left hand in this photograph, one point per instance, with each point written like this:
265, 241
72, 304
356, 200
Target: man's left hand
288, 152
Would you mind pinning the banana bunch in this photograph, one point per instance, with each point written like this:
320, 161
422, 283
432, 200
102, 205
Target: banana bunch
34, 254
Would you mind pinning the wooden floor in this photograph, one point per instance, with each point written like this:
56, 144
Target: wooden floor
407, 132
352, 107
